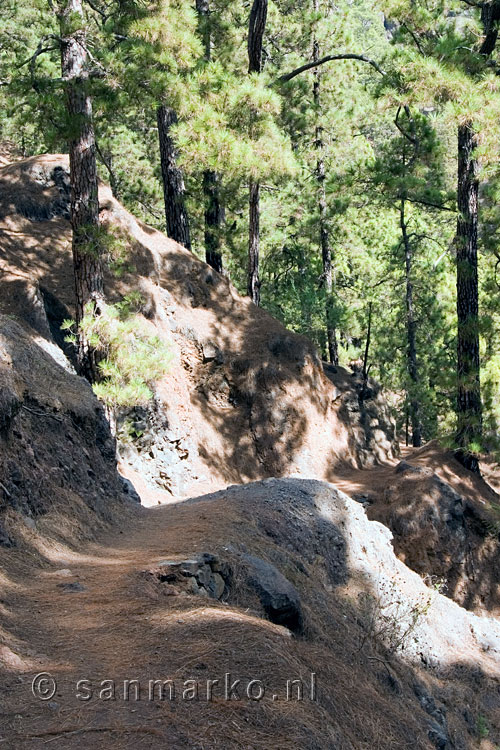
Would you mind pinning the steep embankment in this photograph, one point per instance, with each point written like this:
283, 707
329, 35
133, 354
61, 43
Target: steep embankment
57, 456
444, 519
244, 398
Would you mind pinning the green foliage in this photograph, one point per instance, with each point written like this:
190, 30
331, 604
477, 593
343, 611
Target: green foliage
130, 359
483, 730
249, 128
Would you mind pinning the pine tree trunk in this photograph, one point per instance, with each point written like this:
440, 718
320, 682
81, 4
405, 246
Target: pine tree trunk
203, 11
253, 286
256, 28
84, 200
326, 251
173, 183
214, 219
490, 16
367, 344
214, 209
469, 407
411, 333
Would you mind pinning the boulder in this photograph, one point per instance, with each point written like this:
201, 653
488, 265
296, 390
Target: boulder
279, 598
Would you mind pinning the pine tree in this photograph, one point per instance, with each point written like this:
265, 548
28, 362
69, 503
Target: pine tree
173, 181
214, 213
469, 405
408, 173
256, 29
326, 250
84, 206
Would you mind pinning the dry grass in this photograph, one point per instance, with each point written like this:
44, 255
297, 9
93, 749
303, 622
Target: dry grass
120, 629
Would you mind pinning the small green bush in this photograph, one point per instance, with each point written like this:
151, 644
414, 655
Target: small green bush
482, 727
130, 359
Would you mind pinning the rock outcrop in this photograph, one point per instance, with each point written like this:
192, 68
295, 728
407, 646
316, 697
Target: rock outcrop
314, 526
56, 450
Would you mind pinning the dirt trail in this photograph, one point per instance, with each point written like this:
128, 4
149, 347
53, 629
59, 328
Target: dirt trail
118, 629
114, 630
106, 631
366, 481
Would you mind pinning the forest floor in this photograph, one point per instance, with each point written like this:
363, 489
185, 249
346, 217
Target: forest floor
88, 615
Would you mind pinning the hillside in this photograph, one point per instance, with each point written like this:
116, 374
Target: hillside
244, 399
278, 576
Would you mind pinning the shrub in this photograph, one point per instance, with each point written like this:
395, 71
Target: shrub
130, 359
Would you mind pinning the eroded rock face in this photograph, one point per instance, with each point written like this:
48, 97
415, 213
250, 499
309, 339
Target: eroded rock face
314, 531
55, 442
440, 535
161, 452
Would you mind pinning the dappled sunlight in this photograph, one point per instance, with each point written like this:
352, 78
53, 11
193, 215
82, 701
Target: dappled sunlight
199, 616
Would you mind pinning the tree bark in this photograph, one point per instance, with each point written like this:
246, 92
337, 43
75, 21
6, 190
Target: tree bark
214, 209
326, 251
173, 183
411, 333
253, 285
469, 407
214, 219
367, 344
84, 200
256, 29
490, 16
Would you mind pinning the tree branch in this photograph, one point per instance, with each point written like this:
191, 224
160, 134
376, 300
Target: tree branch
414, 37
413, 140
40, 50
329, 58
431, 204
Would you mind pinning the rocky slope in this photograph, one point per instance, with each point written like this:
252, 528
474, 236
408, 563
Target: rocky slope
244, 398
446, 525
57, 456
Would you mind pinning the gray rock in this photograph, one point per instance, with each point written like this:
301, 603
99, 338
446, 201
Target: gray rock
279, 598
438, 737
193, 587
5, 539
210, 351
29, 522
429, 704
72, 588
404, 466
190, 567
129, 490
362, 498
218, 586
202, 576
